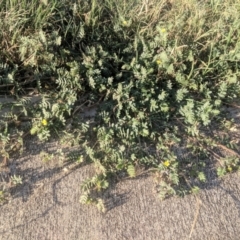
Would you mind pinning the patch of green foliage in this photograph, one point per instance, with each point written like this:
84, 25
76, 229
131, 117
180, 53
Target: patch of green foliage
158, 72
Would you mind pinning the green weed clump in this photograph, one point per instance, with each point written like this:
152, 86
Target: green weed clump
158, 74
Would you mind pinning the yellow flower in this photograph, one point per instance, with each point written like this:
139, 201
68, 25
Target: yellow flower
125, 23
158, 62
44, 122
163, 30
166, 163
229, 169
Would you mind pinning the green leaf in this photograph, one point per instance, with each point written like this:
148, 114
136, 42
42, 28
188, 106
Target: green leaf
232, 79
34, 130
221, 171
190, 56
131, 171
153, 105
58, 40
180, 94
164, 57
86, 199
188, 112
100, 205
164, 107
145, 132
223, 90
162, 95
170, 69
102, 184
92, 82
201, 177
195, 190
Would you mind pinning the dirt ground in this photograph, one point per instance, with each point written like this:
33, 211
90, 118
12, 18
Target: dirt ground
46, 205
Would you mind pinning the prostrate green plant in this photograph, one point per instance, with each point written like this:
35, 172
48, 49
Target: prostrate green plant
16, 180
2, 196
158, 74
